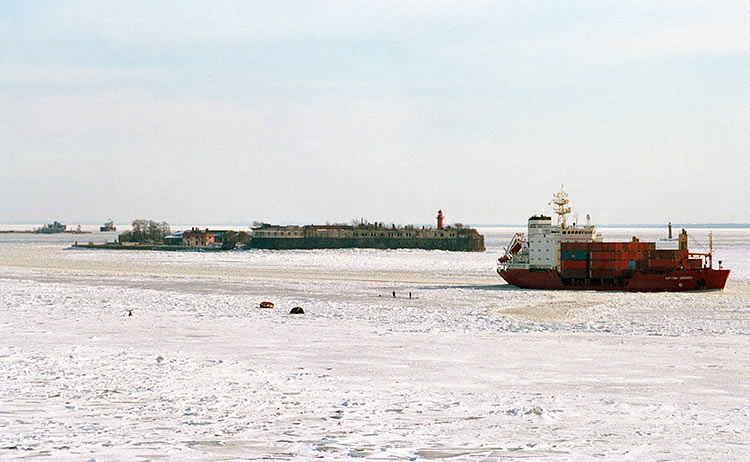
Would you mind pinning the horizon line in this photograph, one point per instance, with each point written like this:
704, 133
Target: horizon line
473, 225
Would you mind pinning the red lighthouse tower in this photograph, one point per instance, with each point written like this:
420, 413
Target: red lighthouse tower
440, 219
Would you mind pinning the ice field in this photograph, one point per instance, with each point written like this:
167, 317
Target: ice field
470, 369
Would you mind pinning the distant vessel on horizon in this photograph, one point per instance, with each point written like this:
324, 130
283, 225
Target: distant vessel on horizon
108, 226
573, 257
51, 228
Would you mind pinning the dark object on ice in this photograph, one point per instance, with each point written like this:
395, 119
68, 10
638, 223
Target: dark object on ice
409, 294
130, 312
297, 310
394, 294
266, 305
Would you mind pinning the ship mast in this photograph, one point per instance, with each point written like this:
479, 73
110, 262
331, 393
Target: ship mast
561, 201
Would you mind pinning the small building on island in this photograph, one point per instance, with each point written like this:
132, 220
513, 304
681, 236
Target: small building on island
198, 238
174, 239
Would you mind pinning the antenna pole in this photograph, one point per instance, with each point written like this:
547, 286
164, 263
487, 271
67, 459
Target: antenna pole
561, 207
711, 249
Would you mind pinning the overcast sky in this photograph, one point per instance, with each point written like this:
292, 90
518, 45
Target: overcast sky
330, 111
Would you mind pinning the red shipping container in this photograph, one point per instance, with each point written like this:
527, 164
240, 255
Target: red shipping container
574, 246
606, 246
666, 254
574, 264
662, 263
622, 265
695, 263
639, 246
603, 264
602, 255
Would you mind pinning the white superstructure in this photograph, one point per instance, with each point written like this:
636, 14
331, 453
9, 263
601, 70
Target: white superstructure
539, 248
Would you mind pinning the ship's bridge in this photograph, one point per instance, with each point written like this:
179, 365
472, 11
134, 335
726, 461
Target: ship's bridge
540, 248
544, 241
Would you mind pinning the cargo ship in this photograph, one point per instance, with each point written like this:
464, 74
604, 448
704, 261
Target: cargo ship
561, 257
368, 235
109, 226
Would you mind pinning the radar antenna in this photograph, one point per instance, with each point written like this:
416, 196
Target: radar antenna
561, 201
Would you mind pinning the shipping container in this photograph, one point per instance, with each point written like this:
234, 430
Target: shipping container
637, 246
695, 263
574, 255
604, 246
603, 264
574, 273
667, 254
574, 264
603, 255
638, 255
603, 273
657, 263
622, 265
574, 246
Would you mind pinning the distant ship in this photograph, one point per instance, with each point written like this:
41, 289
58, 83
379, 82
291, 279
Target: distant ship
51, 228
108, 226
572, 257
368, 235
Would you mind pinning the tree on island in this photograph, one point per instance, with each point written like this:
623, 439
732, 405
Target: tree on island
146, 231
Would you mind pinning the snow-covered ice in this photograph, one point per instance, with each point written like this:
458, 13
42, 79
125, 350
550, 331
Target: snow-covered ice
469, 369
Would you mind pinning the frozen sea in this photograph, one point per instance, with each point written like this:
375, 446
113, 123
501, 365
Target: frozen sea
470, 369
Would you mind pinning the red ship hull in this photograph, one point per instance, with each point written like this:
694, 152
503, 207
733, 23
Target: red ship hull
671, 281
